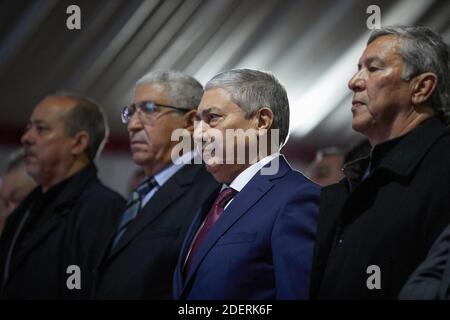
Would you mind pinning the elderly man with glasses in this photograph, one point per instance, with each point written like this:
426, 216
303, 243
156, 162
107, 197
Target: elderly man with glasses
142, 253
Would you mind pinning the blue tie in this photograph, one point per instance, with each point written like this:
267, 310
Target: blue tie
133, 207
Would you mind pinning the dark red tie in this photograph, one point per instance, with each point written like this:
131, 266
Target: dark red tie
213, 215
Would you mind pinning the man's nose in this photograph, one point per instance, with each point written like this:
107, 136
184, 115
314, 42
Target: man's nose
135, 123
27, 137
200, 128
357, 82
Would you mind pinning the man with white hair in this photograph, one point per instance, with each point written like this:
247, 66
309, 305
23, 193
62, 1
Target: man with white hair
141, 257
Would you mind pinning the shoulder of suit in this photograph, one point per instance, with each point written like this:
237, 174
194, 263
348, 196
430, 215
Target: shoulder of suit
97, 190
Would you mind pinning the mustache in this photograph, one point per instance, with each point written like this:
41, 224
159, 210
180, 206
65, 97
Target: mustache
137, 137
28, 152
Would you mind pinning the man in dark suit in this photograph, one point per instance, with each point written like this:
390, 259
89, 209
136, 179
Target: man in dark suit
255, 240
51, 241
379, 222
143, 250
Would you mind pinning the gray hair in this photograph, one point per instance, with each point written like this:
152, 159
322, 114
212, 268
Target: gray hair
252, 90
89, 116
423, 50
182, 91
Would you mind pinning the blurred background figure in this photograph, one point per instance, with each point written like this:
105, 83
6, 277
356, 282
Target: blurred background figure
326, 168
15, 185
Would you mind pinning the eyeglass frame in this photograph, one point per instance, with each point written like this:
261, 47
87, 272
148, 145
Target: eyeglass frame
143, 106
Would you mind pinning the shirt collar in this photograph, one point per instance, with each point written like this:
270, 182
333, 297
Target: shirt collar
245, 176
165, 174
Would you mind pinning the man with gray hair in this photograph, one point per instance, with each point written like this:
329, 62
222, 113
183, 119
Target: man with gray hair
378, 223
142, 252
50, 243
255, 240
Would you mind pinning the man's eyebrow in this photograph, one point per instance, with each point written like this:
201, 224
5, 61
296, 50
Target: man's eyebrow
372, 59
208, 110
37, 121
369, 61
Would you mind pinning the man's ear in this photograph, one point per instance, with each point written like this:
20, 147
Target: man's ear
264, 118
189, 118
423, 87
80, 142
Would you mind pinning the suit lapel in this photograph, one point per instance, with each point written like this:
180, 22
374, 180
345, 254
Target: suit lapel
198, 218
34, 239
39, 234
174, 188
63, 205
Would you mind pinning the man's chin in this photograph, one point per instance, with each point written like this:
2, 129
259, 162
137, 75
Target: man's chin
359, 124
211, 166
34, 172
140, 159
216, 172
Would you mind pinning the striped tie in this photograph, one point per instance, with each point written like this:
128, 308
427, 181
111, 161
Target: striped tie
133, 207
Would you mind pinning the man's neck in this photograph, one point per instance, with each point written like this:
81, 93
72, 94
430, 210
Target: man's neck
157, 166
77, 166
399, 127
246, 173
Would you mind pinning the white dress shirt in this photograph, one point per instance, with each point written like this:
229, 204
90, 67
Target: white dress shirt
245, 176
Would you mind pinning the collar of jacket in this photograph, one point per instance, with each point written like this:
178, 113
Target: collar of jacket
406, 154
71, 191
75, 186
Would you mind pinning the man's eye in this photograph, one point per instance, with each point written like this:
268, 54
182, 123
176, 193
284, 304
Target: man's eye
373, 69
146, 107
213, 117
41, 128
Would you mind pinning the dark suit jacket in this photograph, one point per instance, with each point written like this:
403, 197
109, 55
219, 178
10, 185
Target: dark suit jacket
142, 263
261, 246
81, 219
431, 280
389, 220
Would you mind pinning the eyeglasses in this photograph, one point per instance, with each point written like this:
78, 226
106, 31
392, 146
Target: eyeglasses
146, 107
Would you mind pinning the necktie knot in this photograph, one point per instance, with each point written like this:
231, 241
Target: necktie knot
142, 189
224, 196
133, 206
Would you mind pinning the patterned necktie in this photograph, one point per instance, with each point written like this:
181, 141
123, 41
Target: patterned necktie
133, 207
213, 215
